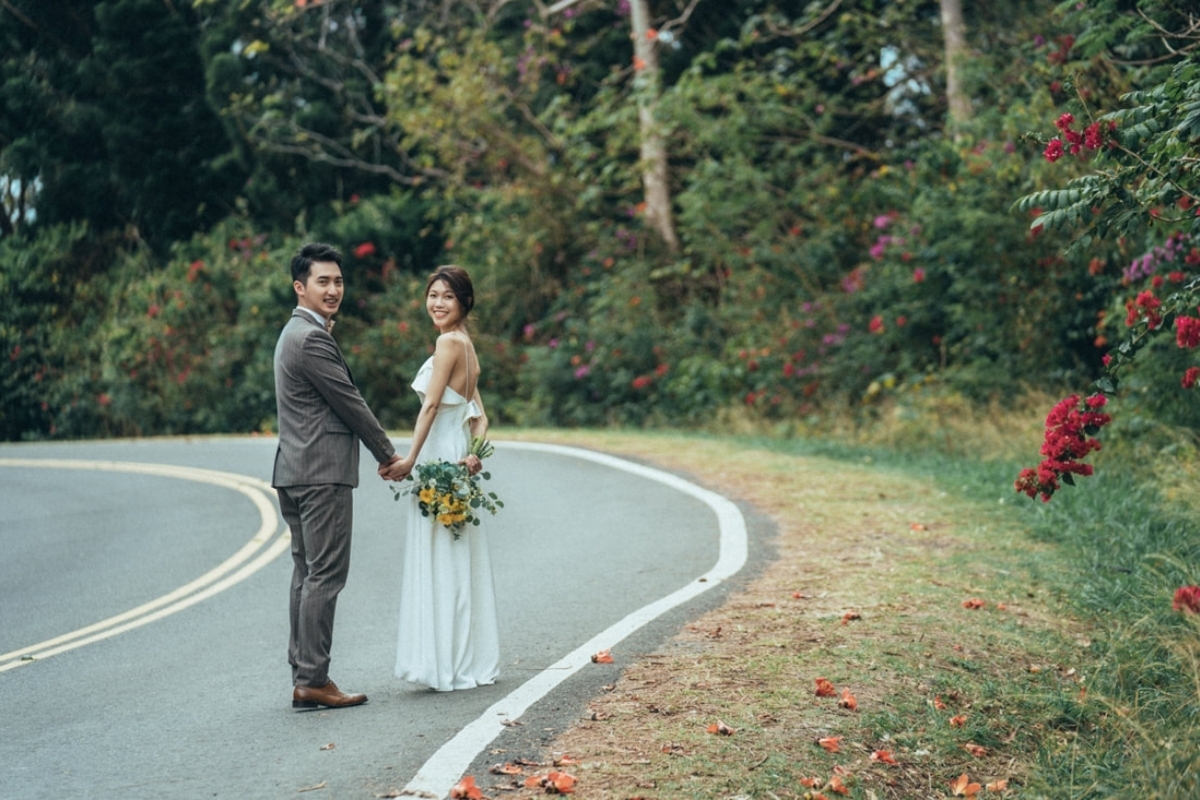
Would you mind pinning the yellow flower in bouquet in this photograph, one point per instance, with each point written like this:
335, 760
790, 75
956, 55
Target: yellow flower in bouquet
450, 494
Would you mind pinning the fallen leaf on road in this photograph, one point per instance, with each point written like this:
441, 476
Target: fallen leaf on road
603, 657
329, 746
320, 785
506, 768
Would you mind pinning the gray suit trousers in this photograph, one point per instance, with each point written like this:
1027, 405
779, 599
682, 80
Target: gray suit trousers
320, 518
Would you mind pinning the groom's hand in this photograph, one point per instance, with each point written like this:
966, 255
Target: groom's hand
390, 471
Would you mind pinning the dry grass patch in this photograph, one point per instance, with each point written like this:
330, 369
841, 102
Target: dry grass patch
867, 592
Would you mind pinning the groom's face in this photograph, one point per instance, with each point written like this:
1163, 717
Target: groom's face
322, 292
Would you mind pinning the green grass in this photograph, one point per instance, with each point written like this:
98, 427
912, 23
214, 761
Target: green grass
1085, 686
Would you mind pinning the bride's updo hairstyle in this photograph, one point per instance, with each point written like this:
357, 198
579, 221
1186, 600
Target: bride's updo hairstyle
459, 282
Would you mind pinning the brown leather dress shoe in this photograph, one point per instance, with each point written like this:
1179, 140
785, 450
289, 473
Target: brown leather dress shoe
328, 695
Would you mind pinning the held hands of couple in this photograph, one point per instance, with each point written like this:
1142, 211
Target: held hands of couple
396, 469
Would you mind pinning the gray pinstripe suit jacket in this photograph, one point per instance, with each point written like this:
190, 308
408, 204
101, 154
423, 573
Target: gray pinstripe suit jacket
322, 416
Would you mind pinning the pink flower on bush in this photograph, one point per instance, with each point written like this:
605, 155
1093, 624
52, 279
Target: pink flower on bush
365, 249
642, 381
1054, 150
876, 324
919, 275
1187, 599
1190, 376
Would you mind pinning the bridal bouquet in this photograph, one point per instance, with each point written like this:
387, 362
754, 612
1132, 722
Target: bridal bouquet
450, 494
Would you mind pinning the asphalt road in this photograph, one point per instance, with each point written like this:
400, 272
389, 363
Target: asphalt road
196, 702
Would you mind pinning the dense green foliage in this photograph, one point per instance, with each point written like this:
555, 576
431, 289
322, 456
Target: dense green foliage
838, 246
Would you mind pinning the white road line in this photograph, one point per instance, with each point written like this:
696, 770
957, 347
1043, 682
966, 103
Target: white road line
215, 580
444, 768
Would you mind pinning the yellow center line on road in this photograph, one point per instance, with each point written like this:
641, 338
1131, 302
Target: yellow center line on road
210, 583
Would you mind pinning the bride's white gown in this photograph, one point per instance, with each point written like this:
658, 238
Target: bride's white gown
449, 638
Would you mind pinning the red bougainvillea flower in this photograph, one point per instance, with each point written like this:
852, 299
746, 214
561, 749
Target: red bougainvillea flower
1187, 332
1187, 599
1145, 306
1054, 150
1069, 437
365, 249
1190, 376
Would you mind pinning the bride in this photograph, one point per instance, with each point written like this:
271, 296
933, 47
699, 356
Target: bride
448, 632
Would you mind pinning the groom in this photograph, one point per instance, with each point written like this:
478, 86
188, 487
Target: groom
322, 417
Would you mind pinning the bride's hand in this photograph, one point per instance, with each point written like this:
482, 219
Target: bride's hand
473, 464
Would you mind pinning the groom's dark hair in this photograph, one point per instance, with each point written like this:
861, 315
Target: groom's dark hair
313, 251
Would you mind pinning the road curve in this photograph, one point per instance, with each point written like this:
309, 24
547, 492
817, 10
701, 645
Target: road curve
588, 550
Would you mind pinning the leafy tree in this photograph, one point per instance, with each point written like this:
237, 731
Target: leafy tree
1143, 189
104, 112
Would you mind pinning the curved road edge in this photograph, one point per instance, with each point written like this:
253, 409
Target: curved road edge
445, 767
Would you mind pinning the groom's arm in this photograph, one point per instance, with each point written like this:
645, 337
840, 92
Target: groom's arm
329, 376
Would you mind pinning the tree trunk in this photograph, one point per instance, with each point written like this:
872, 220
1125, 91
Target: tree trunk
655, 177
955, 33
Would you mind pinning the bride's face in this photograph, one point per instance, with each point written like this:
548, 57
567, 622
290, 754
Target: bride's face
442, 305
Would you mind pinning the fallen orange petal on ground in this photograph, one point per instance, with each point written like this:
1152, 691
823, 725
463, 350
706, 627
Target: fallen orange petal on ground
825, 688
603, 657
466, 789
830, 743
963, 787
883, 755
